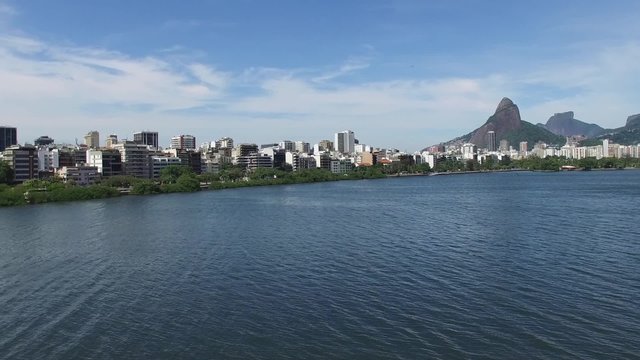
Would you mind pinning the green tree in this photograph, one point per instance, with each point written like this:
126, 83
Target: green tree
471, 165
188, 182
143, 187
6, 173
119, 181
171, 173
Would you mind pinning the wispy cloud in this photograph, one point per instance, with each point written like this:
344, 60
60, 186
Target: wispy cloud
101, 76
351, 65
214, 80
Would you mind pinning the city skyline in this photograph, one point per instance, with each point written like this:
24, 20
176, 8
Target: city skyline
403, 74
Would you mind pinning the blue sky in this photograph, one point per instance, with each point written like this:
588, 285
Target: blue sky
403, 74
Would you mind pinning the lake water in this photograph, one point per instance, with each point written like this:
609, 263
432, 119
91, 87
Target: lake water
502, 265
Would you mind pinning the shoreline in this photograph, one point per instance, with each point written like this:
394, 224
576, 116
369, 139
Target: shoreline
245, 184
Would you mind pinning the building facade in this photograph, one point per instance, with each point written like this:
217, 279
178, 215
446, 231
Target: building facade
8, 137
135, 159
23, 160
79, 175
107, 161
160, 162
92, 139
344, 142
149, 138
183, 142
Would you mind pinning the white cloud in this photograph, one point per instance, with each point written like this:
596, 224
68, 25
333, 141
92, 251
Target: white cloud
350, 66
216, 81
60, 90
92, 76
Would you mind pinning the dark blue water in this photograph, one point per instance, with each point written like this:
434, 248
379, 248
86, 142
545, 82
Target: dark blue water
513, 265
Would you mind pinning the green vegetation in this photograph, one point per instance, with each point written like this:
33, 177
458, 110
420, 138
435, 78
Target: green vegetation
182, 179
553, 163
43, 191
6, 173
623, 136
532, 134
172, 179
230, 178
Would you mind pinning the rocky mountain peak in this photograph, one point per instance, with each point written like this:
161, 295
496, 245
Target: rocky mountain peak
566, 124
504, 120
505, 103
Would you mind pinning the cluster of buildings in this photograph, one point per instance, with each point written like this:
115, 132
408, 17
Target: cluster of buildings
143, 157
500, 150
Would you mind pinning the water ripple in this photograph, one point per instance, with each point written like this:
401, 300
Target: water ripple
486, 266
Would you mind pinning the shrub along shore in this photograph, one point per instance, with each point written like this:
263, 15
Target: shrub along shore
172, 179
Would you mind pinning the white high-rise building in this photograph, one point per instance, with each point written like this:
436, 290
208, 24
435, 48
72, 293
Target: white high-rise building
302, 147
605, 148
344, 142
469, 151
224, 143
184, 142
286, 145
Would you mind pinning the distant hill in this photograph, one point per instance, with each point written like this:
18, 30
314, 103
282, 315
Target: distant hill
633, 122
508, 125
565, 124
629, 134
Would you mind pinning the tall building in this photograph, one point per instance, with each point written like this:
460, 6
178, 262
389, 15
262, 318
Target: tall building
325, 145
293, 159
302, 147
23, 160
244, 150
183, 142
286, 145
8, 137
92, 139
135, 158
323, 161
504, 145
107, 161
190, 158
469, 151
224, 143
491, 141
111, 140
524, 147
605, 148
344, 142
149, 138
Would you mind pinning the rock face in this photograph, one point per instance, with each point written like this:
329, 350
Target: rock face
507, 125
505, 120
633, 122
566, 124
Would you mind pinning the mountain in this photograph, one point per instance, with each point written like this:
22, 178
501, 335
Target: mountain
507, 125
633, 122
565, 124
629, 134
